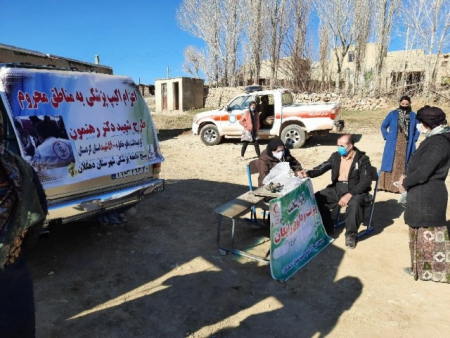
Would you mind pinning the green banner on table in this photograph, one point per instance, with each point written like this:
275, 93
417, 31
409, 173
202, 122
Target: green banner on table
297, 232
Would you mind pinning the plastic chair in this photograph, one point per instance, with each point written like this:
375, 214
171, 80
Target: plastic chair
252, 168
375, 174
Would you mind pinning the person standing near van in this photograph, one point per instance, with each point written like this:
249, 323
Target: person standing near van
251, 124
400, 133
427, 199
23, 207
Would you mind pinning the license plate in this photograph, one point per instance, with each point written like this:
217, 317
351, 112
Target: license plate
131, 172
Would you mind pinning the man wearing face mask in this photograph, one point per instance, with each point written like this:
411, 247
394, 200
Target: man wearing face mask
350, 182
275, 153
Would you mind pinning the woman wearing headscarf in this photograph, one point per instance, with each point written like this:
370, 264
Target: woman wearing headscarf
275, 153
22, 211
250, 122
427, 198
400, 133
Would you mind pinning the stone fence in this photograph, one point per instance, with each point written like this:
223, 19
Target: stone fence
219, 97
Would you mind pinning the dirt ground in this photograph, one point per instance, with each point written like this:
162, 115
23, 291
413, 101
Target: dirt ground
161, 275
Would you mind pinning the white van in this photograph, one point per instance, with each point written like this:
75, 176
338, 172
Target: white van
90, 137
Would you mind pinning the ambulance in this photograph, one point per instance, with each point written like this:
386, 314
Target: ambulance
279, 116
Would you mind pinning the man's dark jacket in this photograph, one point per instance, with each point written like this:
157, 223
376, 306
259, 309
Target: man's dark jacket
359, 177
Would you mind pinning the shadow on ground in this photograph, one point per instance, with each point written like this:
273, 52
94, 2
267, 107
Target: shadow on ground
385, 212
166, 134
162, 276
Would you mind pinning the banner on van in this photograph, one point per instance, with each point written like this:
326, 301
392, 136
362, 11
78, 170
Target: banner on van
75, 126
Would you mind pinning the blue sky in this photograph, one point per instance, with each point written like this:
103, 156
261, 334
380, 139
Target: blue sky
138, 38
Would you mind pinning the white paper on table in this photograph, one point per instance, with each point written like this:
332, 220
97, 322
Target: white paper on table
281, 174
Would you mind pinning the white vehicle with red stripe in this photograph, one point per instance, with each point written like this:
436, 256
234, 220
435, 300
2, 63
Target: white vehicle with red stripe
294, 123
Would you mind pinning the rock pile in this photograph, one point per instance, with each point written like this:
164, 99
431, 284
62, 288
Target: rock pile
218, 97
347, 103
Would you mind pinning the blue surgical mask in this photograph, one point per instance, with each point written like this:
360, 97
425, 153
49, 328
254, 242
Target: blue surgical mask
342, 151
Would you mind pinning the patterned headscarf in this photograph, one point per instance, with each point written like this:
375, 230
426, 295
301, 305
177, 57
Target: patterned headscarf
10, 193
403, 121
23, 204
403, 116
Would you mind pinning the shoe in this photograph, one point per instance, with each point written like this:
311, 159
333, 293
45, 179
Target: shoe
103, 220
350, 242
242, 158
115, 218
409, 271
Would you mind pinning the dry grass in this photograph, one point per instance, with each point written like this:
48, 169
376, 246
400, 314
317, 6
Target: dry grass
353, 119
175, 120
370, 120
167, 121
361, 121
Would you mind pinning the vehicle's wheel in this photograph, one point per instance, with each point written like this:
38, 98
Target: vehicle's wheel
293, 136
210, 135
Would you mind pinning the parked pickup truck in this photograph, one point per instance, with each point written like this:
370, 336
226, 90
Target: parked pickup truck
90, 137
293, 123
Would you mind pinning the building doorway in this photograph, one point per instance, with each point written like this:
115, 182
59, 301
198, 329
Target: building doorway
176, 96
164, 96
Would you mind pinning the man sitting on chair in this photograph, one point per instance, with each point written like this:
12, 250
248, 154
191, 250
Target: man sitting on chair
350, 182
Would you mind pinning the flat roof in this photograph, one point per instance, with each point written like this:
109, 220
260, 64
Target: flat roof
179, 77
39, 54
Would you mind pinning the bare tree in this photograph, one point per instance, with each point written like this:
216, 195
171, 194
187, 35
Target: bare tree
254, 37
231, 20
219, 23
194, 61
363, 25
323, 54
337, 16
201, 19
277, 26
385, 12
400, 77
429, 24
296, 65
